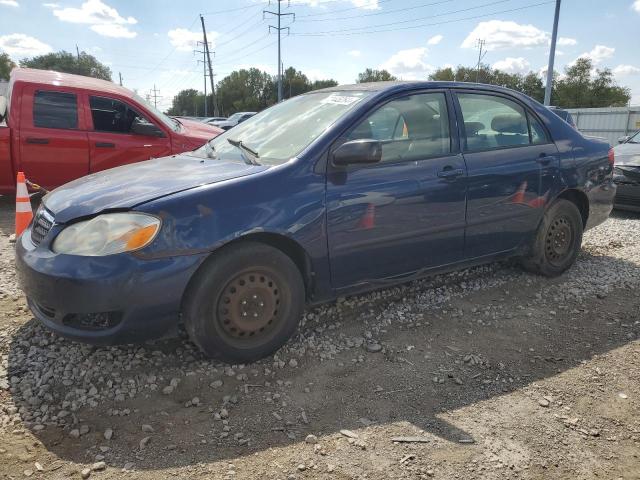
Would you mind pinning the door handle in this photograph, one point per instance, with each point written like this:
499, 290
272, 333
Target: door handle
450, 172
147, 145
105, 145
545, 159
37, 141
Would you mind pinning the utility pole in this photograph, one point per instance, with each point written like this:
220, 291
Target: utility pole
279, 29
213, 88
77, 52
154, 93
552, 56
480, 44
204, 65
120, 75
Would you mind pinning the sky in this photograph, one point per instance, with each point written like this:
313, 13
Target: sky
152, 43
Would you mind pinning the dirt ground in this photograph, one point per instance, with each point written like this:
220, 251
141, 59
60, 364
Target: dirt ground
482, 374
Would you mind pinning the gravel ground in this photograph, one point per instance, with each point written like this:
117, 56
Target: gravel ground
485, 373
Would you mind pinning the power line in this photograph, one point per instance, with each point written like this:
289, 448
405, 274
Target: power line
154, 93
279, 29
333, 12
346, 32
213, 88
204, 65
480, 44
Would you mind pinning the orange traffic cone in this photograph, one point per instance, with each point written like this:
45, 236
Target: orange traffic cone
518, 197
24, 215
368, 220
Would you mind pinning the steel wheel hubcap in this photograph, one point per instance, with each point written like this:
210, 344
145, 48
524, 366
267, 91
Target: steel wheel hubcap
248, 306
559, 240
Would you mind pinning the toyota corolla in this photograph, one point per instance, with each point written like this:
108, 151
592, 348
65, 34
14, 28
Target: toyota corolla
329, 193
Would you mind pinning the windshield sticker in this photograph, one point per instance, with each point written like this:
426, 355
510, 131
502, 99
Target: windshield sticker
340, 99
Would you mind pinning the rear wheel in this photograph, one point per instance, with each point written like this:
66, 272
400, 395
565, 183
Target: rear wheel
558, 240
244, 303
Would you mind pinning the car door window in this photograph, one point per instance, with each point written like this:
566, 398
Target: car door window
538, 133
493, 122
110, 115
410, 128
55, 110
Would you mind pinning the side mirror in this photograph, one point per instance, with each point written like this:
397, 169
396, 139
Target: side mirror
624, 139
146, 129
361, 151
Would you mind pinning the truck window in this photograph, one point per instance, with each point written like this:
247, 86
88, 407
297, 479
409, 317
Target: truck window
110, 115
55, 110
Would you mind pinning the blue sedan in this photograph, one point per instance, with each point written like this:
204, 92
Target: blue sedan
334, 192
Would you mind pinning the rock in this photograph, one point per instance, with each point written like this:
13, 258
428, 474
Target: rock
147, 429
38, 466
85, 473
623, 395
543, 402
216, 384
144, 442
302, 467
330, 467
373, 347
293, 363
312, 439
84, 429
28, 473
108, 434
167, 390
75, 433
594, 432
98, 466
349, 433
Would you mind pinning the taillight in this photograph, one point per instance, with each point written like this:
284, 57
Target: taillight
611, 157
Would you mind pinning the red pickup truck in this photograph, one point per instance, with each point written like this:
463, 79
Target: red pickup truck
57, 127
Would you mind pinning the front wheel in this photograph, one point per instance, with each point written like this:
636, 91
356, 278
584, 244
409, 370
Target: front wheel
558, 240
244, 303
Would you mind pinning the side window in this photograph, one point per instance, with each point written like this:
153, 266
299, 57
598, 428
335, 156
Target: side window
110, 115
538, 134
492, 122
410, 128
55, 110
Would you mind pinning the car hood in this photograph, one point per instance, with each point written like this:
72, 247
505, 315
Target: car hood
130, 185
225, 124
627, 154
199, 132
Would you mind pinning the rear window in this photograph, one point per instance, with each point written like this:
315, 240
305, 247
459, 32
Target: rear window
55, 110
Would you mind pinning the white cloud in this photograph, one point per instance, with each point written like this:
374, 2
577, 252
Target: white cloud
9, 3
567, 42
513, 65
21, 45
626, 70
435, 40
408, 64
185, 40
599, 53
51, 5
364, 4
636, 6
354, 53
104, 20
113, 30
506, 34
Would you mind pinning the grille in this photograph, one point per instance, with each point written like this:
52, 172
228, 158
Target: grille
41, 225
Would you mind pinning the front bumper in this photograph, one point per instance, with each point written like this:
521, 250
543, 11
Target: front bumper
628, 197
103, 300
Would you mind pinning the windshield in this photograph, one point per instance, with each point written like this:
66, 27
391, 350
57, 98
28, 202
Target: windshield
168, 121
235, 116
281, 132
635, 138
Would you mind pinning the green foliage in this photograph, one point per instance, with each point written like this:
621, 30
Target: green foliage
66, 62
370, 75
318, 84
6, 65
582, 87
579, 87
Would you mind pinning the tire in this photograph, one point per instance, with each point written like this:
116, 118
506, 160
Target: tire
244, 303
558, 240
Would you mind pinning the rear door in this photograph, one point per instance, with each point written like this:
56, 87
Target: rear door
510, 160
54, 145
121, 134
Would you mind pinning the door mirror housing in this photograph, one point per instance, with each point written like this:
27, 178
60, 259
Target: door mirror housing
624, 139
362, 151
146, 129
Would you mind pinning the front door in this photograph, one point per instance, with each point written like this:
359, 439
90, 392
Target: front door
122, 135
54, 148
507, 151
407, 212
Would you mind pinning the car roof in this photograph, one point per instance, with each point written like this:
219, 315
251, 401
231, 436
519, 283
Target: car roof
399, 85
58, 79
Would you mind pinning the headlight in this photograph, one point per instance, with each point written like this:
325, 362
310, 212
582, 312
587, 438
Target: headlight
107, 234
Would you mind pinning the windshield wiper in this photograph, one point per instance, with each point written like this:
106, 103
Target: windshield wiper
244, 150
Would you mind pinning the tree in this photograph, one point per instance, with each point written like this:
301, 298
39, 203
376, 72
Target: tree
370, 75
582, 87
186, 103
83, 64
6, 65
318, 84
294, 82
245, 90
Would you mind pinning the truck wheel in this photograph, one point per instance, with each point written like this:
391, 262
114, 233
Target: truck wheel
558, 240
244, 303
